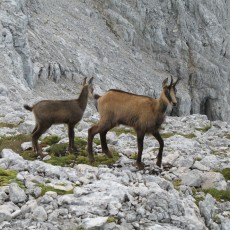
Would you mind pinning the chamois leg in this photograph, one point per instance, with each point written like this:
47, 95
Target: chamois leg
161, 143
35, 128
104, 145
91, 133
35, 136
102, 129
140, 140
71, 137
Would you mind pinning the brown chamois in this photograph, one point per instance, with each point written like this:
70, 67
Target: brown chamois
143, 113
49, 112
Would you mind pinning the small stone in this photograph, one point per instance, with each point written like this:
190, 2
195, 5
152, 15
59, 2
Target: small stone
39, 214
17, 194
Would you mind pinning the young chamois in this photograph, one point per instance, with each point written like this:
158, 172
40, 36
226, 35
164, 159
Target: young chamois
49, 112
143, 113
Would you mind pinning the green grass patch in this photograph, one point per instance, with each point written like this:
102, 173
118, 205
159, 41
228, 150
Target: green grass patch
111, 219
46, 188
59, 157
167, 135
50, 140
176, 183
198, 158
227, 136
58, 149
133, 156
14, 142
68, 160
198, 199
29, 155
217, 153
120, 130
226, 173
61, 149
189, 135
197, 195
219, 195
7, 125
204, 129
99, 160
97, 141
58, 152
7, 176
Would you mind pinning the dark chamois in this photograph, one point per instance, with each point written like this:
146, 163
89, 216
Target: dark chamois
143, 113
49, 112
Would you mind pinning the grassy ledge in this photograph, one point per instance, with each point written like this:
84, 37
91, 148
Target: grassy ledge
204, 129
168, 135
120, 130
46, 188
7, 176
58, 152
7, 125
219, 195
13, 142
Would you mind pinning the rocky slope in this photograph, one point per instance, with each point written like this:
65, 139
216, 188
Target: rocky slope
47, 47
121, 197
132, 45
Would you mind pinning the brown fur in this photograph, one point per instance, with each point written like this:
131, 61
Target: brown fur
143, 113
49, 112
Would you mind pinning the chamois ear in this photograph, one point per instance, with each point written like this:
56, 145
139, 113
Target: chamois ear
90, 81
84, 81
164, 83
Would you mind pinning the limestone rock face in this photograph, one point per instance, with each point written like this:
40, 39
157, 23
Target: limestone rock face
130, 45
185, 38
16, 63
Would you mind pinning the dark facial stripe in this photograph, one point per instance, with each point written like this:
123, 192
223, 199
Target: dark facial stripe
167, 94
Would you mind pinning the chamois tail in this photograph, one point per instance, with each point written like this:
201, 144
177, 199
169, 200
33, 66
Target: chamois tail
96, 97
27, 107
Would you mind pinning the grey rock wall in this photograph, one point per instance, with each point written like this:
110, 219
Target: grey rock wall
185, 38
15, 49
131, 45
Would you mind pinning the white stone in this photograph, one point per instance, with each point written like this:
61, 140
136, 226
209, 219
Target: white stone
17, 194
39, 214
92, 223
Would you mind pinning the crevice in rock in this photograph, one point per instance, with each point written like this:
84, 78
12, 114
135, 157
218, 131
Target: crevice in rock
206, 108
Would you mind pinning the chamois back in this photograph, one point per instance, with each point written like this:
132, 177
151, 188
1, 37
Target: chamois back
128, 109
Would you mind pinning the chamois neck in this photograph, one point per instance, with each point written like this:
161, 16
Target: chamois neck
163, 102
83, 97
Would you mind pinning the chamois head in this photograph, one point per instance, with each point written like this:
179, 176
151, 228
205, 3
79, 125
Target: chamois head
170, 90
89, 85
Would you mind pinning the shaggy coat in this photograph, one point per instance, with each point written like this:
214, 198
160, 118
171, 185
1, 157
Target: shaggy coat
49, 112
143, 113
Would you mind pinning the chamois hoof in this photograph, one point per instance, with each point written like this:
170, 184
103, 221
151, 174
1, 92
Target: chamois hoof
158, 164
91, 159
109, 154
140, 165
41, 156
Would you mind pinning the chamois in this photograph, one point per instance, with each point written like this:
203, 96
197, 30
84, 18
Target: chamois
143, 113
49, 112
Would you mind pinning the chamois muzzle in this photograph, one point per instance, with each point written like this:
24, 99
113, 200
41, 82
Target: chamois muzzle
174, 103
